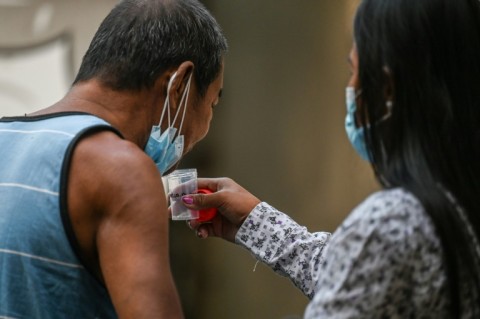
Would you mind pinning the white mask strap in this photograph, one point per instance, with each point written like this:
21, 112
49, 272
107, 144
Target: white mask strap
185, 95
166, 104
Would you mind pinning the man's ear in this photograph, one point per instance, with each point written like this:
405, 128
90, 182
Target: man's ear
177, 83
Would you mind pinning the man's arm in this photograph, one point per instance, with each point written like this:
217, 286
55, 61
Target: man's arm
119, 214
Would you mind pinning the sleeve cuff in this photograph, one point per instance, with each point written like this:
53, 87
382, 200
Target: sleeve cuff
265, 226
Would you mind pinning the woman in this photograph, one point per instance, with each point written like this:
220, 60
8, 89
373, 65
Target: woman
413, 111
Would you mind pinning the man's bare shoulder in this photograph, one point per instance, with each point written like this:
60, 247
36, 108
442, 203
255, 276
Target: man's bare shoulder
107, 147
112, 171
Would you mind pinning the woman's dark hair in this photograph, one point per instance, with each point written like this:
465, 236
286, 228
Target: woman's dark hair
426, 53
141, 39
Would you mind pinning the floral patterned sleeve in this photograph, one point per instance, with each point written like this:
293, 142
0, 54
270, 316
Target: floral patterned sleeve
288, 248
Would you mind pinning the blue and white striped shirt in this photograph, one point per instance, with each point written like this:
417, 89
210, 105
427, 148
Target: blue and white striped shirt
41, 275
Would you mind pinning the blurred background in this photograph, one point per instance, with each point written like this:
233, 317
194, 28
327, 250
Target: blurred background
278, 130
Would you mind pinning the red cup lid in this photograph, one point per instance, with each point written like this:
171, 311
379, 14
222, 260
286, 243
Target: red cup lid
206, 214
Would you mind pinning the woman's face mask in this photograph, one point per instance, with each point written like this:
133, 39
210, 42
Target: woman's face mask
355, 134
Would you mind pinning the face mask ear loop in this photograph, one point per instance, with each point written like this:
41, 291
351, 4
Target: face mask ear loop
186, 93
166, 104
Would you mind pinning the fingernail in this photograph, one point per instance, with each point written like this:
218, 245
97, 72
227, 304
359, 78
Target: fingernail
187, 199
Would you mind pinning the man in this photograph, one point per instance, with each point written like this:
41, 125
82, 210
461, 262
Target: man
83, 215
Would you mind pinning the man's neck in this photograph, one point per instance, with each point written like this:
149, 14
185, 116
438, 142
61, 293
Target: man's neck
129, 112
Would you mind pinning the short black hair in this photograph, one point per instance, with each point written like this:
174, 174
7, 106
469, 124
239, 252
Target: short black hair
141, 39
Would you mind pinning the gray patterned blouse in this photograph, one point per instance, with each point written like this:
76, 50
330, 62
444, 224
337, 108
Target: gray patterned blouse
384, 261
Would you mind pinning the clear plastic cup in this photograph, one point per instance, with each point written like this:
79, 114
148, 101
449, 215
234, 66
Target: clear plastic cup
180, 183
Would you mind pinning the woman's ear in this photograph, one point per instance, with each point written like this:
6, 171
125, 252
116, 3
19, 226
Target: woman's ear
389, 88
177, 83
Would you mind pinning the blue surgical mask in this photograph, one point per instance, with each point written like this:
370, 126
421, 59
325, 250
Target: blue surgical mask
165, 148
356, 135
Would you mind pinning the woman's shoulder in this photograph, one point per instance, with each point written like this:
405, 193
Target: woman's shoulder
391, 200
392, 214
389, 204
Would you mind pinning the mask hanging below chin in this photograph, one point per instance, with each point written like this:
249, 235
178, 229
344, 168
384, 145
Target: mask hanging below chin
164, 148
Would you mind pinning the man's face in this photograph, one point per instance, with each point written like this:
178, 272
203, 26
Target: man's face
200, 111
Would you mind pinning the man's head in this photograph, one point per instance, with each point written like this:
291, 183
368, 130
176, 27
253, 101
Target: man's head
141, 39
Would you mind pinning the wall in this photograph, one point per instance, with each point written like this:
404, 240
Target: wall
41, 46
278, 131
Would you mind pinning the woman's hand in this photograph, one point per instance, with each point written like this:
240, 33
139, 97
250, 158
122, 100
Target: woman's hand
233, 204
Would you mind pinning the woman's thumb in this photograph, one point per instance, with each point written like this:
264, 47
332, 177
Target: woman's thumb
195, 201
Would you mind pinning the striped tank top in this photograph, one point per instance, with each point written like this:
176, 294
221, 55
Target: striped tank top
41, 275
